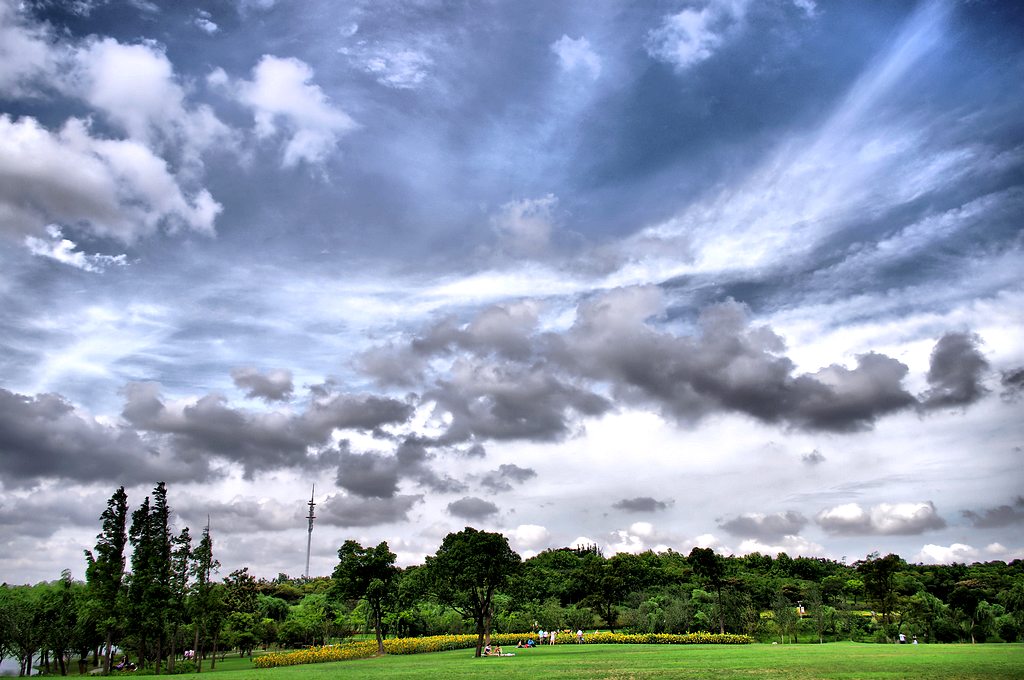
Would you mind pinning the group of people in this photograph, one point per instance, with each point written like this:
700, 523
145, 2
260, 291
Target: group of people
495, 651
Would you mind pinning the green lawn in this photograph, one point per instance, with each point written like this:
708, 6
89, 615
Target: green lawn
641, 662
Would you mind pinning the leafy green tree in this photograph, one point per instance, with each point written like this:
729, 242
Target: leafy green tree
466, 571
785, 615
710, 566
149, 592
368, 573
880, 576
104, 572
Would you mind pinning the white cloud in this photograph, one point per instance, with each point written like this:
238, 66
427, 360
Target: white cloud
118, 188
396, 66
136, 88
286, 102
943, 554
791, 545
577, 55
693, 35
204, 23
889, 519
524, 226
63, 250
26, 56
530, 536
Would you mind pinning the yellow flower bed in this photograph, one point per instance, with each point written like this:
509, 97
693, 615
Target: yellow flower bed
440, 643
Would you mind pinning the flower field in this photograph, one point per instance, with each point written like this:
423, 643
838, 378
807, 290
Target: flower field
440, 643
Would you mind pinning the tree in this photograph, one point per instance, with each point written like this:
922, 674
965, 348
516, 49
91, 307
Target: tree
149, 591
202, 600
181, 557
710, 566
368, 573
880, 583
466, 570
104, 572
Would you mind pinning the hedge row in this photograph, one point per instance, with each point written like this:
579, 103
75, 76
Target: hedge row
441, 643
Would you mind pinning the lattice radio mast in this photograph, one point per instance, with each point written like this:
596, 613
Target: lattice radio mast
310, 517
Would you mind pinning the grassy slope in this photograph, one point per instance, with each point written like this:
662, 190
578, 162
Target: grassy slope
628, 662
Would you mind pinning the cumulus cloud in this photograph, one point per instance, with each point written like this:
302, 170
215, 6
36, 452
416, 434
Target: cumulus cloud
577, 55
274, 385
530, 536
956, 371
791, 545
765, 527
947, 554
472, 508
63, 250
694, 34
505, 476
641, 504
286, 103
116, 188
348, 511
999, 516
887, 519
136, 88
205, 23
524, 227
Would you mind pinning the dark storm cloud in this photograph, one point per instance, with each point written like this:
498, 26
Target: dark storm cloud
349, 511
377, 475
641, 504
815, 457
274, 385
1000, 516
505, 476
256, 440
765, 527
956, 371
509, 401
472, 508
620, 341
239, 515
726, 366
1013, 384
368, 474
45, 436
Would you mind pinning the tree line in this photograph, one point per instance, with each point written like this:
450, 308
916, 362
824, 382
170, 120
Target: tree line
171, 597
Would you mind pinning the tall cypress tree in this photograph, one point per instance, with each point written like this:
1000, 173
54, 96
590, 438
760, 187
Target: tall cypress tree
105, 570
181, 558
149, 591
203, 565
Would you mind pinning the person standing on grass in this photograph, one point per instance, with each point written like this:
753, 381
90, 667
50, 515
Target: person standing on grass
579, 636
551, 637
543, 636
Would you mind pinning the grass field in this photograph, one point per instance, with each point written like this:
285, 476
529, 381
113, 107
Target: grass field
643, 662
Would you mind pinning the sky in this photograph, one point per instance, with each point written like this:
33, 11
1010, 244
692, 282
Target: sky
730, 274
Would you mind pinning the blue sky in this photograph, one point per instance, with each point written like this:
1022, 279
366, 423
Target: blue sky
734, 274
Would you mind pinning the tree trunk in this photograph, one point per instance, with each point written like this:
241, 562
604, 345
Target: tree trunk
174, 652
721, 614
376, 628
197, 655
213, 658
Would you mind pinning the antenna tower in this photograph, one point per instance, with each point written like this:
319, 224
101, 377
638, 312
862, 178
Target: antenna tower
310, 517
